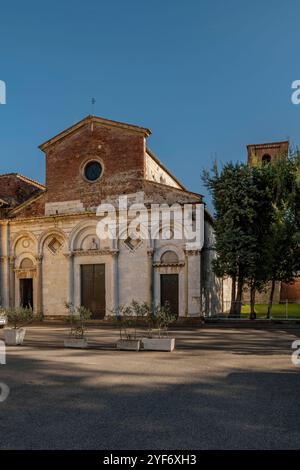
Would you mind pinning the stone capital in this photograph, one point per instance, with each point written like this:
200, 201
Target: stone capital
114, 252
12, 260
192, 252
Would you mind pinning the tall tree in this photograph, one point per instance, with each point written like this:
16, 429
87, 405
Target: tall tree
281, 252
257, 213
242, 210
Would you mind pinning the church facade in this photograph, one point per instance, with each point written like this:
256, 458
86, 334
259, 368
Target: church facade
50, 251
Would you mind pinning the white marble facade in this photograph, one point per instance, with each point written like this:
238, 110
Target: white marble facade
51, 251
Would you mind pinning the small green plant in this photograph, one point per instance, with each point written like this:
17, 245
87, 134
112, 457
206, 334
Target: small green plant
128, 317
2, 313
77, 320
18, 316
159, 320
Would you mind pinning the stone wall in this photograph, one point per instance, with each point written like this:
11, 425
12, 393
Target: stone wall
58, 246
155, 172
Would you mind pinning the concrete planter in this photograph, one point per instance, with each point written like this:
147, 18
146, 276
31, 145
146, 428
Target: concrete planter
14, 336
159, 344
129, 344
77, 343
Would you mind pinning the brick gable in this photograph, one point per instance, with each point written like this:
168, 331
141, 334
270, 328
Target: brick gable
120, 152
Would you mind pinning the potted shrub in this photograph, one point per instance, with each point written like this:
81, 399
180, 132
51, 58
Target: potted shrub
3, 319
158, 322
127, 319
77, 320
16, 317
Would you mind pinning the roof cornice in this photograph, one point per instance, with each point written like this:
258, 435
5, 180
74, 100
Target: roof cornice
25, 179
29, 201
97, 120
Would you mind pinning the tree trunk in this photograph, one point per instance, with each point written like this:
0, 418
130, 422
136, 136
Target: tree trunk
270, 305
238, 302
252, 303
233, 296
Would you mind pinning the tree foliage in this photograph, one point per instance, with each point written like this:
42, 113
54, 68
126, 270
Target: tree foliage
256, 224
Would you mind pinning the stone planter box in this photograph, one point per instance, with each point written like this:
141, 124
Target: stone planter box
158, 344
77, 343
14, 336
129, 344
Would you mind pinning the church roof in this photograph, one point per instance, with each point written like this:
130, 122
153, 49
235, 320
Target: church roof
16, 189
23, 178
97, 120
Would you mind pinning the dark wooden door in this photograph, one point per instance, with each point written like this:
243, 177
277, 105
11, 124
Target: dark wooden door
93, 289
26, 293
169, 291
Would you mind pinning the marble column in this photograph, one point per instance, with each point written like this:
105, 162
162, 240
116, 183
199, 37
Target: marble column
186, 285
150, 278
115, 281
5, 290
70, 258
12, 281
39, 284
194, 282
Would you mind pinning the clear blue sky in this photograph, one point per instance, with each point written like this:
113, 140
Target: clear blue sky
208, 77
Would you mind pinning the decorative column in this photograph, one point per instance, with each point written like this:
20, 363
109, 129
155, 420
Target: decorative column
12, 281
70, 258
186, 285
1, 279
5, 290
150, 253
194, 282
115, 280
39, 284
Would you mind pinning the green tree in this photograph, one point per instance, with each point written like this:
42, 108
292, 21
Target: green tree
281, 251
242, 212
257, 213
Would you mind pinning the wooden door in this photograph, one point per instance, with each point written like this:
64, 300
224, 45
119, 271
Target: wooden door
169, 291
26, 293
93, 289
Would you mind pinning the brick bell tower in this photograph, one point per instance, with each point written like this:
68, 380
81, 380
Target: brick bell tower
262, 154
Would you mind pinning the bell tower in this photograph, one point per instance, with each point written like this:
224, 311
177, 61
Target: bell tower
262, 154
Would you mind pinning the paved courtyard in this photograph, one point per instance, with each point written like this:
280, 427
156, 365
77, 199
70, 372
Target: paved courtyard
221, 389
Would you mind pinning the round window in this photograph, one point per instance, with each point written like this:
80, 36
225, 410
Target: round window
92, 171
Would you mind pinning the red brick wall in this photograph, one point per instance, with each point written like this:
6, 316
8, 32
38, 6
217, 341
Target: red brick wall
291, 292
120, 151
15, 191
256, 152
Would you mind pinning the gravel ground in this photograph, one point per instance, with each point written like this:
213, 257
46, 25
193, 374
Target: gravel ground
221, 389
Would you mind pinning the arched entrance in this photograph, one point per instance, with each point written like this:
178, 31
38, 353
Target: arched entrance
26, 283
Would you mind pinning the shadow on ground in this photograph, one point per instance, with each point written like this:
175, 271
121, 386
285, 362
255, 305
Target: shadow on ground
57, 405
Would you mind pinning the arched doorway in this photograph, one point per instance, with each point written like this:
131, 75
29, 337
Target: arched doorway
26, 284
